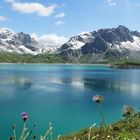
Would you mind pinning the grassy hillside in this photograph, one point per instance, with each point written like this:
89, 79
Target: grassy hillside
55, 58
125, 129
27, 58
125, 65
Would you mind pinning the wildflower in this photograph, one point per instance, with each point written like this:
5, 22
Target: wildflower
97, 98
34, 137
50, 128
89, 133
24, 116
24, 113
14, 131
41, 138
30, 132
127, 110
58, 137
92, 126
14, 127
11, 138
48, 132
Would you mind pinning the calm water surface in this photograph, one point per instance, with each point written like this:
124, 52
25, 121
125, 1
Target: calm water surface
63, 94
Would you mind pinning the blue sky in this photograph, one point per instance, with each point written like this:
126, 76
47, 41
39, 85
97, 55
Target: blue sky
65, 18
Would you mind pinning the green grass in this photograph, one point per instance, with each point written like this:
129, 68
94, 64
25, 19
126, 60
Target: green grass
125, 65
125, 129
56, 58
27, 58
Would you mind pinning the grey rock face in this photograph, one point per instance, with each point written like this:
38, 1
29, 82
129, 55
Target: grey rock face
25, 39
18, 42
71, 55
99, 45
135, 33
108, 43
123, 34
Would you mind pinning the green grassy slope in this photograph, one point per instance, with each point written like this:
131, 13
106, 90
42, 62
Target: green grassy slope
27, 58
126, 129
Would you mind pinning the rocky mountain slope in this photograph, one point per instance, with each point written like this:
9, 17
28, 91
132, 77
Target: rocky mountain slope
116, 44
101, 46
21, 43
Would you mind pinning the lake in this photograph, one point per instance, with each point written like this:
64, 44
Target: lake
62, 95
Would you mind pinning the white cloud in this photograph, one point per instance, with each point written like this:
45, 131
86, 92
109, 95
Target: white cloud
111, 2
61, 15
59, 22
50, 39
2, 18
32, 7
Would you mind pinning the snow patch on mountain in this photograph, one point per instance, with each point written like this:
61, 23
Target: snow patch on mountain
77, 42
134, 46
12, 42
118, 41
75, 45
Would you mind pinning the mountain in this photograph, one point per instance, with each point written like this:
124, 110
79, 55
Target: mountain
104, 45
21, 43
101, 46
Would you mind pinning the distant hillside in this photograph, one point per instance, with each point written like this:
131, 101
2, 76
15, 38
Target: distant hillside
28, 58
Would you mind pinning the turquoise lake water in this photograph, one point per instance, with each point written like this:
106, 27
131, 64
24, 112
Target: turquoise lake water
62, 95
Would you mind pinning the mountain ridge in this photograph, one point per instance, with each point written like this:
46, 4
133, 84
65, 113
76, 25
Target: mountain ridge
21, 43
101, 46
106, 45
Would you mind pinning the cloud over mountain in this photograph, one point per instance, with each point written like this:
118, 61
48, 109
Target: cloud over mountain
50, 39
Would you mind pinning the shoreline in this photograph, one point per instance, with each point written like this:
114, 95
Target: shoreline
114, 66
99, 64
126, 66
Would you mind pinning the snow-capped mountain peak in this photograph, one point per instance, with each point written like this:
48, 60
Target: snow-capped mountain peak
104, 44
114, 43
22, 43
77, 42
